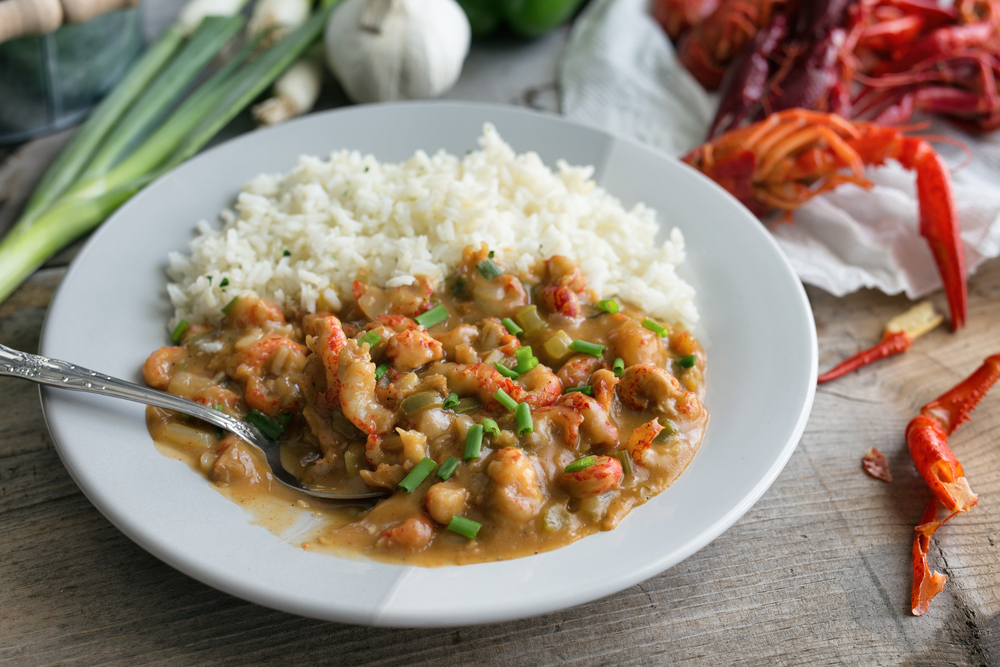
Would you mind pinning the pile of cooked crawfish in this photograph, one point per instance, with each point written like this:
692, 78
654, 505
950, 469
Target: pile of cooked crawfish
813, 91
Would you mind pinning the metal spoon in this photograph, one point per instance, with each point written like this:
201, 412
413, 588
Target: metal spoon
64, 375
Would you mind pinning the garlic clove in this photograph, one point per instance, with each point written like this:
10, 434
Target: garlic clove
417, 52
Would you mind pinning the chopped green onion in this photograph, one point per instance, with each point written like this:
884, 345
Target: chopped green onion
179, 330
420, 401
586, 389
668, 431
529, 319
581, 464
687, 361
269, 427
505, 400
468, 404
381, 370
372, 338
473, 442
558, 346
668, 425
286, 253
491, 254
626, 461
491, 426
435, 315
608, 306
504, 371
583, 346
525, 360
218, 408
417, 475
511, 326
284, 418
523, 416
447, 468
526, 367
451, 401
488, 269
618, 367
229, 306
458, 286
224, 282
656, 327
465, 527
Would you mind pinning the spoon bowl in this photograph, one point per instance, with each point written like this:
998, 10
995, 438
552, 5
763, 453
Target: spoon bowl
64, 375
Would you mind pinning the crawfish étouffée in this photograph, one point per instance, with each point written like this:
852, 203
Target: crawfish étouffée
370, 398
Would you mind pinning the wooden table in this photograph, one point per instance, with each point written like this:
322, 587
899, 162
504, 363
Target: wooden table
818, 572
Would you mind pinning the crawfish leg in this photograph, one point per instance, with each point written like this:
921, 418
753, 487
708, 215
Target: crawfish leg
926, 584
938, 465
939, 222
891, 343
744, 84
952, 408
927, 436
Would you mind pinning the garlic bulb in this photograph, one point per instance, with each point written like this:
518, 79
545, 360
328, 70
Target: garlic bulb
383, 50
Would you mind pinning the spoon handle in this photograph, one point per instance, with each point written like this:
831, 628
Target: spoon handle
64, 375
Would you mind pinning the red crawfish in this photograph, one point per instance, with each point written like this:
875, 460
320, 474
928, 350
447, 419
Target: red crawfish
918, 56
793, 155
900, 332
927, 438
712, 33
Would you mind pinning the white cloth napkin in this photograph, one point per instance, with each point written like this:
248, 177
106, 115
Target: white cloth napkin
619, 72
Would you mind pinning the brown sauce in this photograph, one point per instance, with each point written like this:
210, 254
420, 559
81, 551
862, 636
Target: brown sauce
361, 397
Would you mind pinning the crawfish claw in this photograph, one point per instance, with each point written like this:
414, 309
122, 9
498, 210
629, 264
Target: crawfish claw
937, 464
927, 436
940, 227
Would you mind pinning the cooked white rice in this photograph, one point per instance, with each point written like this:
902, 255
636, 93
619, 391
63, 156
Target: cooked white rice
301, 238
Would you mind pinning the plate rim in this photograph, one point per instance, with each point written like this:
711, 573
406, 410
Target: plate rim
653, 566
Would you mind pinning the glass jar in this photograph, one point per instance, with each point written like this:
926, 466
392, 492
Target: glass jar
51, 81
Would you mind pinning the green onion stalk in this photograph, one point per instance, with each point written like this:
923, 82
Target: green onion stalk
99, 169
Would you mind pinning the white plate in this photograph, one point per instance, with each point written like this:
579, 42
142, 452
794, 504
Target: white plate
111, 309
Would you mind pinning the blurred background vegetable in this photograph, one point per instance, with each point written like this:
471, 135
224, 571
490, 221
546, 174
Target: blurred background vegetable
294, 93
527, 18
272, 19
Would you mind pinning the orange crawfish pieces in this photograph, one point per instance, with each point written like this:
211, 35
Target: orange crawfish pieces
794, 155
927, 437
900, 332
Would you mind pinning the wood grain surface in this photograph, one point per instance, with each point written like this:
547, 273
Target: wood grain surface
816, 573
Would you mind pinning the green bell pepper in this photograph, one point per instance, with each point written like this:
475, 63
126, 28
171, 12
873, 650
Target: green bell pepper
528, 18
